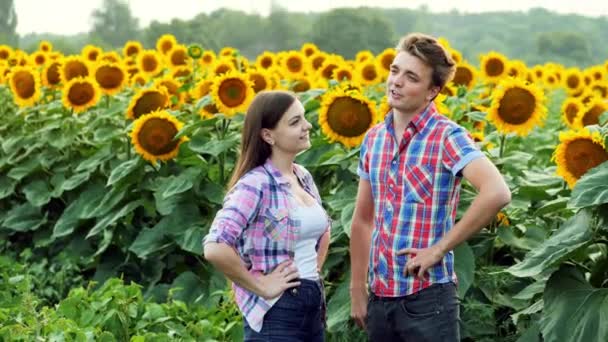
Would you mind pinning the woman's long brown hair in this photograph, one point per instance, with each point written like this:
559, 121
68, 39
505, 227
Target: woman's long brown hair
265, 111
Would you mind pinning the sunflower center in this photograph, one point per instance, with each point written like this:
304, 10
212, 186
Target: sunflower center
349, 117
4, 54
387, 60
301, 86
40, 60
344, 74
294, 64
52, 74
178, 57
266, 62
592, 116
156, 136
232, 92
207, 58
369, 72
211, 108
150, 101
516, 106
463, 76
92, 56
601, 90
132, 50
495, 67
317, 62
573, 81
81, 93
150, 63
582, 155
25, 84
109, 77
309, 51
571, 112
166, 46
75, 69
328, 70
259, 82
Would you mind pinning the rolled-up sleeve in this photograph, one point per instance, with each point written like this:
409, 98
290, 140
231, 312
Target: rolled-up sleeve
239, 208
459, 149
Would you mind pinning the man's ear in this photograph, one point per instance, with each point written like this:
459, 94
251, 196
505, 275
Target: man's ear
434, 92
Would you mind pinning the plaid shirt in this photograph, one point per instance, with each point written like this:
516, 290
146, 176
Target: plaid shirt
255, 221
416, 188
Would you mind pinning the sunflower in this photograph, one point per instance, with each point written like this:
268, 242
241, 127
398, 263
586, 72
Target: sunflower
178, 56
441, 106
384, 108
38, 58
5, 52
266, 60
138, 79
367, 73
308, 49
181, 71
172, 86
316, 60
493, 66
465, 75
232, 92
478, 136
600, 88
195, 51
329, 65
80, 94
573, 81
571, 108
131, 49
502, 220
45, 46
597, 73
110, 56
208, 111
148, 100
538, 72
590, 115
111, 77
153, 136
91, 53
25, 85
343, 73
294, 64
449, 90
201, 89
385, 59
578, 152
50, 74
72, 67
551, 80
149, 62
261, 80
455, 54
517, 68
222, 66
517, 106
165, 43
364, 56
207, 58
346, 116
228, 51
300, 84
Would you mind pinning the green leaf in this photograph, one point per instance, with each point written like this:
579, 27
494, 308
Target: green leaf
72, 215
96, 159
123, 170
113, 217
74, 181
23, 218
532, 334
213, 192
23, 169
572, 235
464, 264
173, 185
551, 207
7, 187
215, 147
187, 287
591, 189
477, 116
37, 193
603, 118
346, 217
338, 307
573, 309
108, 202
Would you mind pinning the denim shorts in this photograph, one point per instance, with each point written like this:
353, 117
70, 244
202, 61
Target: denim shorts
297, 316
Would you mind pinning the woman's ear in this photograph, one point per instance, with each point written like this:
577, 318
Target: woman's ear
266, 135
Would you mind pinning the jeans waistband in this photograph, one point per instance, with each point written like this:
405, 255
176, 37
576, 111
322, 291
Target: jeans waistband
375, 297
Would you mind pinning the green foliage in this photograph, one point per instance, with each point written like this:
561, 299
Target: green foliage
114, 24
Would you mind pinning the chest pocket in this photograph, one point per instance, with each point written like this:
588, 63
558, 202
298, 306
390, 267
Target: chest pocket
276, 223
417, 184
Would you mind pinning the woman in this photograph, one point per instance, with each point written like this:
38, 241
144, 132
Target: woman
272, 234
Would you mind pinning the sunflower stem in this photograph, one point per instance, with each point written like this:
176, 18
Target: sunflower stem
503, 139
107, 101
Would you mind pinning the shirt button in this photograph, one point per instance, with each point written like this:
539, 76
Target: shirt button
394, 162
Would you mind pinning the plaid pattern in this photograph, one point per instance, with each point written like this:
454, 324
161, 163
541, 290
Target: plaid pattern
255, 221
416, 188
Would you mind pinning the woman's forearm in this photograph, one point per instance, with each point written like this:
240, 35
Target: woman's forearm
228, 262
322, 252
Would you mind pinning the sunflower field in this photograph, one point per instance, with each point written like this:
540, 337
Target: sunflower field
113, 164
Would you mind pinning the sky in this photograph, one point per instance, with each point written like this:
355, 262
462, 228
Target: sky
74, 16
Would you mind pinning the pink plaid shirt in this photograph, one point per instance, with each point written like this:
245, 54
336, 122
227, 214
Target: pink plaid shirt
255, 220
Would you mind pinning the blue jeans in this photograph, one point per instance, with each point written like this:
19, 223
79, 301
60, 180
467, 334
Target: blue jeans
297, 316
429, 315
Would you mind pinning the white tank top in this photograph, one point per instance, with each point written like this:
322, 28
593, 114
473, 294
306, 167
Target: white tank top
313, 223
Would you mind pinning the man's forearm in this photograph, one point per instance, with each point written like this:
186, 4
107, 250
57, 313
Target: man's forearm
360, 244
482, 211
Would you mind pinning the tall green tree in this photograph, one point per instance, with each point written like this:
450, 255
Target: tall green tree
114, 24
8, 23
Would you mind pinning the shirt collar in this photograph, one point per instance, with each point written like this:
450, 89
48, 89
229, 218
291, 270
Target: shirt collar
419, 121
278, 176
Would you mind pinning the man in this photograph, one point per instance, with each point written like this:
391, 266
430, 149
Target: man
403, 230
